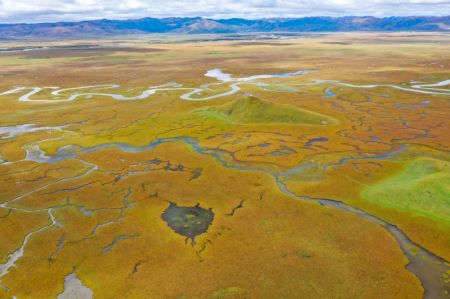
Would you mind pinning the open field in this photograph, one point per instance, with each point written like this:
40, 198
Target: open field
174, 167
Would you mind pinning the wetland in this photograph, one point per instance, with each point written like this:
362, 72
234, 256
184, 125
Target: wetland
262, 171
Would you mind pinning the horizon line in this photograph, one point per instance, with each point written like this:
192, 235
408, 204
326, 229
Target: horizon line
230, 18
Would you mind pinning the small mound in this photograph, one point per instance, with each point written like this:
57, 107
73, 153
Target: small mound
254, 110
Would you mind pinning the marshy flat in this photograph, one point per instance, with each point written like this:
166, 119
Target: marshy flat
188, 221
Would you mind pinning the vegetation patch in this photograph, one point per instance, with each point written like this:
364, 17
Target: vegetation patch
249, 110
421, 188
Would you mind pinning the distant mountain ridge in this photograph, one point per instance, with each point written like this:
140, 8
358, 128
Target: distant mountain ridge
203, 25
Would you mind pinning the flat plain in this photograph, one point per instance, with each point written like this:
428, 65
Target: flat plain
188, 167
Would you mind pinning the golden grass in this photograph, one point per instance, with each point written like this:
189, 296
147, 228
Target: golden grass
274, 246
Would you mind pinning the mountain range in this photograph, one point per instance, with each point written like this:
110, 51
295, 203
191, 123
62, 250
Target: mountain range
200, 25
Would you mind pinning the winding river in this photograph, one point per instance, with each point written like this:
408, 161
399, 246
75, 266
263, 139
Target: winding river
192, 93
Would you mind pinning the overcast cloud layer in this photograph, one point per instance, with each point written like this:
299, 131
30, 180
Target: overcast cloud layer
32, 11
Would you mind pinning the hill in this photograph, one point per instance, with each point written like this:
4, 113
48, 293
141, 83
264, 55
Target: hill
250, 110
202, 25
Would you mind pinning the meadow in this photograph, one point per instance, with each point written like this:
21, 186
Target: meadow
178, 167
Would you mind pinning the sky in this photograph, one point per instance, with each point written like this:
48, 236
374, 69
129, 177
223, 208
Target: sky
33, 11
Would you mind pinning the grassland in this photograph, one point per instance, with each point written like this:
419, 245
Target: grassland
275, 160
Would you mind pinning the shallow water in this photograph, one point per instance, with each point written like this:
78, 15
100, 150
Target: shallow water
13, 131
188, 221
311, 141
74, 289
329, 93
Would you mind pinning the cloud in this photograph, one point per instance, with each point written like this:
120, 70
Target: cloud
32, 11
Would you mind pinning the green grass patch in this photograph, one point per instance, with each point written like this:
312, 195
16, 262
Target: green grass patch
422, 188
